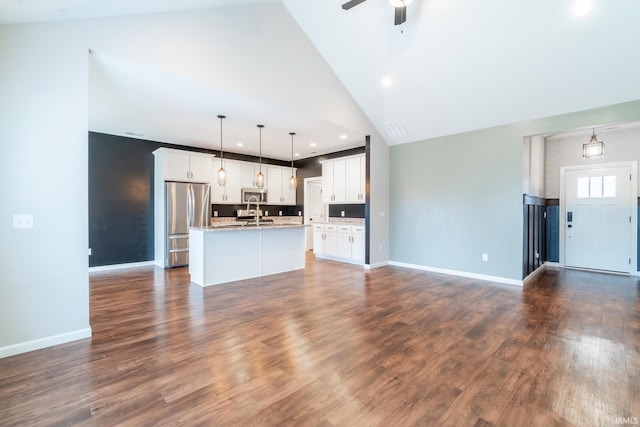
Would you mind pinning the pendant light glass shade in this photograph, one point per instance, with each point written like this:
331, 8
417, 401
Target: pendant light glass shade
593, 148
260, 176
293, 183
222, 174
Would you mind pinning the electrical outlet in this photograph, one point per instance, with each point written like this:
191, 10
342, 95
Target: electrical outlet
341, 213
266, 213
280, 213
485, 257
23, 221
299, 213
215, 213
89, 251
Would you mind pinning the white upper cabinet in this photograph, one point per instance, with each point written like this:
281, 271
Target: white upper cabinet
343, 180
278, 191
185, 165
239, 175
355, 180
333, 181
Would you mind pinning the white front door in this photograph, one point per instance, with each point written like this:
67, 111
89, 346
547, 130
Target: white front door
598, 218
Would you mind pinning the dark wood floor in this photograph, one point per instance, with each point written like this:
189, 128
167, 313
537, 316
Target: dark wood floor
336, 346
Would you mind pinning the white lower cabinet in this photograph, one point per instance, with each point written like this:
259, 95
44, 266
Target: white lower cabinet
358, 243
339, 242
325, 240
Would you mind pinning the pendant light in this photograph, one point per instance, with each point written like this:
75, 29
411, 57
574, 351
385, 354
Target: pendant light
222, 174
292, 179
260, 176
593, 148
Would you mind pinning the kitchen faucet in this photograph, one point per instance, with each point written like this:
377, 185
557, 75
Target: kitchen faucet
257, 207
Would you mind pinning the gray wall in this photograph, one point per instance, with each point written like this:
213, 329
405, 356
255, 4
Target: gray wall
456, 197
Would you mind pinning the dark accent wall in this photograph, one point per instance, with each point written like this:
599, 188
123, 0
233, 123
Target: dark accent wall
350, 210
534, 238
120, 199
121, 196
367, 198
553, 232
273, 210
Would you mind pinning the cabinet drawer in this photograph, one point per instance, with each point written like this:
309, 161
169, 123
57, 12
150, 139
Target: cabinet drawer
345, 229
357, 229
330, 227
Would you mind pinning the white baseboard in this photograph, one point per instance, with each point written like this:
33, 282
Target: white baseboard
534, 273
552, 264
40, 343
466, 274
376, 265
121, 266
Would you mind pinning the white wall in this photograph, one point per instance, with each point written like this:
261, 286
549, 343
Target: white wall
44, 296
533, 166
621, 145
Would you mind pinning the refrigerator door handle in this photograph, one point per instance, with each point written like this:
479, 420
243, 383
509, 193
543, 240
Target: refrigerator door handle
190, 198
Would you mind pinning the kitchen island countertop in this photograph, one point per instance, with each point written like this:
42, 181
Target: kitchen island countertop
229, 252
244, 227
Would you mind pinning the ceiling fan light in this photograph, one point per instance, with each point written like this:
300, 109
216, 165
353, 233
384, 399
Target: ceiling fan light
399, 3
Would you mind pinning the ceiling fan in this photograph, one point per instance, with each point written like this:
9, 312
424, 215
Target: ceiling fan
399, 5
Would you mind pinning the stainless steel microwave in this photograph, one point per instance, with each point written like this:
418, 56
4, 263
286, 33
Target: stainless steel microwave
260, 195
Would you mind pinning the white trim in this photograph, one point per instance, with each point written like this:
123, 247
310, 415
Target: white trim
534, 273
633, 165
40, 343
552, 264
121, 266
466, 274
376, 265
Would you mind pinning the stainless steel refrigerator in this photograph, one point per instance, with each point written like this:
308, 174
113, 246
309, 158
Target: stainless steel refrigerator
187, 205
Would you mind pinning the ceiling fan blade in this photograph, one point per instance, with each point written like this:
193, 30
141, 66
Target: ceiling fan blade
348, 5
401, 15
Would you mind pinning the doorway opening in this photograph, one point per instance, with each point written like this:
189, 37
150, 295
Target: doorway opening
313, 207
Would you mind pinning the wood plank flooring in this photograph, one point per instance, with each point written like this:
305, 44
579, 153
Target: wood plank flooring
334, 345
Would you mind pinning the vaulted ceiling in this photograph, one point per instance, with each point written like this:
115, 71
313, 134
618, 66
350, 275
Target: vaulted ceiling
454, 66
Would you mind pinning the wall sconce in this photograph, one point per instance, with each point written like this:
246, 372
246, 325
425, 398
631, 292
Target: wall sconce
593, 148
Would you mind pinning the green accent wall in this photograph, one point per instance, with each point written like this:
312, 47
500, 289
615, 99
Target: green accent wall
456, 197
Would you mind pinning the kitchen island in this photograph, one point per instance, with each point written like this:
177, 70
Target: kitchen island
227, 253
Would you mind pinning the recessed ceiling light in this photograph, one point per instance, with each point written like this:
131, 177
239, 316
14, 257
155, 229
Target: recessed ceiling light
239, 144
387, 82
343, 136
582, 8
297, 154
313, 144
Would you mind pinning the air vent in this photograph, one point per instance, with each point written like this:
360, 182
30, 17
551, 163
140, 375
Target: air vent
395, 130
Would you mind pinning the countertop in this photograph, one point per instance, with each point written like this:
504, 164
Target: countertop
244, 227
